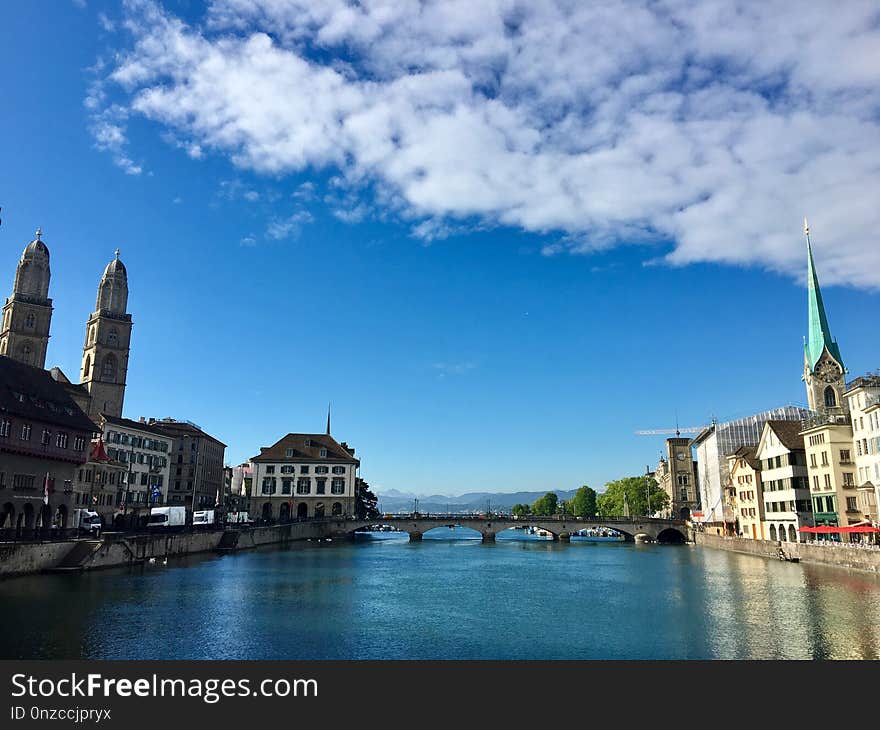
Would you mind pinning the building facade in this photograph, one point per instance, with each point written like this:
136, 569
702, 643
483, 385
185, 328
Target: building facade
863, 399
747, 495
196, 469
27, 314
831, 470
713, 446
676, 475
127, 472
44, 438
302, 476
787, 504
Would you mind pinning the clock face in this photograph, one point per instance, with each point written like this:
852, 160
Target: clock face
827, 372
679, 456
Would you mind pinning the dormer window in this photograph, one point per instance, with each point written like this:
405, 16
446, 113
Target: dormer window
323, 453
308, 443
289, 453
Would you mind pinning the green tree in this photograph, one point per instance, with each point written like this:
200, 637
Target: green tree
365, 502
546, 505
520, 510
630, 492
583, 504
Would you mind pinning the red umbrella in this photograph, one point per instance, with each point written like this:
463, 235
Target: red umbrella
860, 528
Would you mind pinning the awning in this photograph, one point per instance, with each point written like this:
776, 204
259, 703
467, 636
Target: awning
827, 530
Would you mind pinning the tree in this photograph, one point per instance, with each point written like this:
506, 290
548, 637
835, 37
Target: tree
583, 504
520, 510
365, 501
545, 505
611, 502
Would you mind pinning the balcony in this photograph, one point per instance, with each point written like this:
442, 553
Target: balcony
836, 416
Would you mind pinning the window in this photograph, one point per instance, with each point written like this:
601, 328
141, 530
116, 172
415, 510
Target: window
321, 486
289, 453
270, 469
338, 486
108, 367
827, 481
339, 470
61, 441
851, 504
303, 485
30, 321
321, 470
323, 453
684, 495
830, 397
683, 480
287, 469
5, 426
25, 432
113, 338
845, 456
23, 481
813, 461
286, 485
824, 458
848, 479
304, 469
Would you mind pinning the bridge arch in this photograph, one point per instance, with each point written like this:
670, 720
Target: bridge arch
671, 536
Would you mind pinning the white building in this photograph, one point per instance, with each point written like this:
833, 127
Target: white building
783, 459
714, 445
863, 397
304, 475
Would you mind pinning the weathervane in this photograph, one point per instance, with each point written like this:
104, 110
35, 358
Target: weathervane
39, 232
117, 253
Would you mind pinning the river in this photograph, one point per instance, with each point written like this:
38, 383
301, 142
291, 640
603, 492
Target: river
382, 597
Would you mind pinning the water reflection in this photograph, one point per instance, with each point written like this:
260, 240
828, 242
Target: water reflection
384, 597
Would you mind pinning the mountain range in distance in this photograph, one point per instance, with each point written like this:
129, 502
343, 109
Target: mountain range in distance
394, 500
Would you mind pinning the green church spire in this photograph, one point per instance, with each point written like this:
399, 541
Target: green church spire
819, 332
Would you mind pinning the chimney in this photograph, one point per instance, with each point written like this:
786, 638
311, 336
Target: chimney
151, 421
142, 420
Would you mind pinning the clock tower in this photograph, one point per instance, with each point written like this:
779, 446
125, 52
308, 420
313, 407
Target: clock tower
824, 371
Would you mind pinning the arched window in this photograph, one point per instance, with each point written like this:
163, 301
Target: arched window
25, 354
830, 397
337, 509
782, 533
113, 338
87, 368
108, 368
92, 334
30, 321
773, 532
792, 534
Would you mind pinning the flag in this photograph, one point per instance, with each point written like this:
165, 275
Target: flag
154, 493
46, 489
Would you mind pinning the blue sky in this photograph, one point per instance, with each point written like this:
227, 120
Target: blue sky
474, 327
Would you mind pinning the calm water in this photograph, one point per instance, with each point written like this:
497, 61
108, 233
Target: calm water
386, 598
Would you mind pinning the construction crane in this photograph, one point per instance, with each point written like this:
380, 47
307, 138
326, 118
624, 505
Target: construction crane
676, 431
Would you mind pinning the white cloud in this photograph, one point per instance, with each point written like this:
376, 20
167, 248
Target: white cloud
248, 241
110, 137
709, 123
289, 227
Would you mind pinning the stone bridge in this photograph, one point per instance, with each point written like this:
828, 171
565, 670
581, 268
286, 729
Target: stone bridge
560, 527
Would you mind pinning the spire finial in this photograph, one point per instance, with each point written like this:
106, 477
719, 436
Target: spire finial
328, 419
806, 228
117, 253
39, 232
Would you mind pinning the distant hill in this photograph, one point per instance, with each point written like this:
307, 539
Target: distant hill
393, 500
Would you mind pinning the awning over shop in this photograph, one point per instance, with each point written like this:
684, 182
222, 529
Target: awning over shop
827, 530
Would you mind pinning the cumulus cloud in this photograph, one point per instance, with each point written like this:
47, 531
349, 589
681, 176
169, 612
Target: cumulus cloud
709, 127
289, 227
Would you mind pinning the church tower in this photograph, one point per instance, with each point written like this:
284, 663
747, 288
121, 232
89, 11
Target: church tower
824, 371
24, 328
108, 339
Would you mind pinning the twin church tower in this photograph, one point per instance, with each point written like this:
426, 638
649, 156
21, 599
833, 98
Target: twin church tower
24, 332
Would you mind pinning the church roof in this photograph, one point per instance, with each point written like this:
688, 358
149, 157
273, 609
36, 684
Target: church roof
34, 249
115, 267
819, 337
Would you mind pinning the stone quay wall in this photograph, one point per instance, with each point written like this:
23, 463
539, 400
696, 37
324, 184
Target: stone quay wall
842, 557
114, 550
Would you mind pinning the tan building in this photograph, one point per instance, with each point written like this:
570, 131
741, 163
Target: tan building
677, 476
831, 469
747, 496
196, 476
863, 399
304, 475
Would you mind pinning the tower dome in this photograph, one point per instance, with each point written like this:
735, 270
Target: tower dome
33, 274
113, 289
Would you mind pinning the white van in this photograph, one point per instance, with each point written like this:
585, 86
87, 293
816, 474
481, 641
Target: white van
161, 517
87, 520
203, 518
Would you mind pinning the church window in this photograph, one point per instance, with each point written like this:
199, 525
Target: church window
31, 321
113, 338
92, 334
25, 354
830, 397
108, 368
